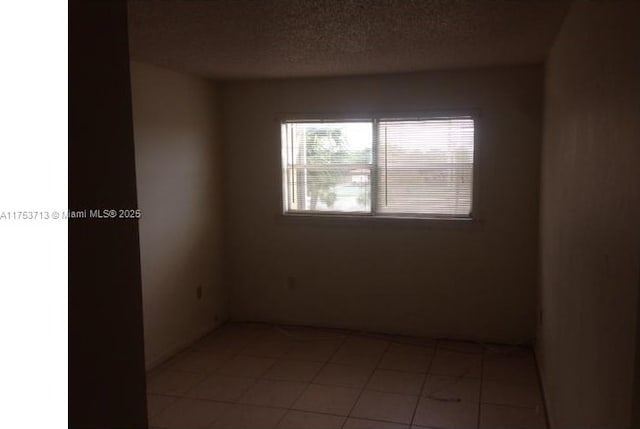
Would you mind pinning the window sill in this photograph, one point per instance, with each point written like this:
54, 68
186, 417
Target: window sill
304, 219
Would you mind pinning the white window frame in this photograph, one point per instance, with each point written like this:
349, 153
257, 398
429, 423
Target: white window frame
374, 119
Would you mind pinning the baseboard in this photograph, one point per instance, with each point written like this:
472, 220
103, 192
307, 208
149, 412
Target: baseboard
365, 329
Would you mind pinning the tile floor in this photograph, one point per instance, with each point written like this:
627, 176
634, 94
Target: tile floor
256, 376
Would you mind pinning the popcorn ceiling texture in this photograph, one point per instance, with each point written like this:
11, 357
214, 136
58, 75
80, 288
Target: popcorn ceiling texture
231, 39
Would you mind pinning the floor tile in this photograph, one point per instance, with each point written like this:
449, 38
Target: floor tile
343, 375
316, 350
221, 388
327, 399
306, 420
456, 364
266, 371
158, 403
293, 370
425, 350
273, 393
189, 414
366, 344
246, 366
360, 351
246, 332
511, 367
230, 338
268, 348
354, 423
408, 383
249, 417
407, 358
441, 387
461, 346
446, 415
390, 407
174, 383
221, 344
503, 417
518, 395
278, 333
205, 361
301, 333
414, 341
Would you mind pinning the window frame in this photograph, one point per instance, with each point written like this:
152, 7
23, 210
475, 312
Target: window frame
374, 119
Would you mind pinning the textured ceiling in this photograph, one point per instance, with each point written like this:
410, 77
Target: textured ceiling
231, 39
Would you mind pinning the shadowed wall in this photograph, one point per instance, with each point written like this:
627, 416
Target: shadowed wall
468, 280
590, 240
179, 191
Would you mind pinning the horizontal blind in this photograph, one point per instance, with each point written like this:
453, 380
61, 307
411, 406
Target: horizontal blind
425, 167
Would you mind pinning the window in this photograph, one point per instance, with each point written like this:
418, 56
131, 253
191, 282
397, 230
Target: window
382, 167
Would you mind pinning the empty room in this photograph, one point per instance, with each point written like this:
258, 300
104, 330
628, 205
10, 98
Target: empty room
360, 214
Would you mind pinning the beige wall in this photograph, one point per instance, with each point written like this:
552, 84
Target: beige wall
590, 207
451, 279
179, 191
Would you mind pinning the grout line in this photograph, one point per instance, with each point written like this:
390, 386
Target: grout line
233, 356
157, 412
290, 408
522, 407
456, 378
272, 407
259, 378
261, 334
286, 409
364, 386
484, 354
208, 375
424, 383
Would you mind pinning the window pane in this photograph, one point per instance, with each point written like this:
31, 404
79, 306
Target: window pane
426, 166
342, 190
328, 166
